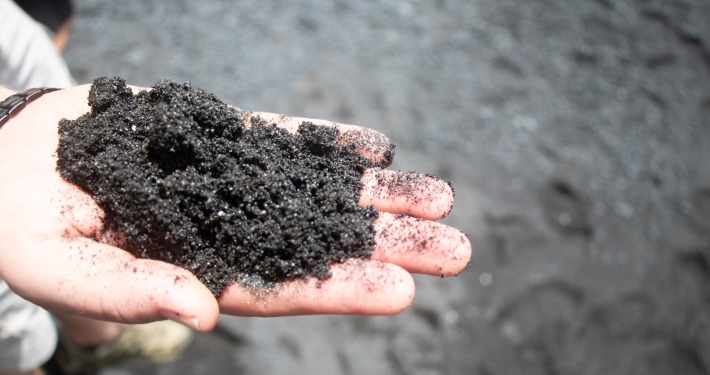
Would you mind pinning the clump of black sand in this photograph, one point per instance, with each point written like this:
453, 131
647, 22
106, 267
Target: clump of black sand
176, 171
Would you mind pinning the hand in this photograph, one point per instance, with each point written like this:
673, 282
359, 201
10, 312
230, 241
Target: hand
49, 253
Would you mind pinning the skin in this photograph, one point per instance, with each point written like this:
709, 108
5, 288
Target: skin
50, 255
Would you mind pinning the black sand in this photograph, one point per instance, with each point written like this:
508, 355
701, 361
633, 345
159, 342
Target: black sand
177, 172
575, 132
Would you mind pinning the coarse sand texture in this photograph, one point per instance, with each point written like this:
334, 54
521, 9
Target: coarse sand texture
181, 177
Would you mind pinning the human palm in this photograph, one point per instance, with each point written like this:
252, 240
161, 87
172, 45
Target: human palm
53, 253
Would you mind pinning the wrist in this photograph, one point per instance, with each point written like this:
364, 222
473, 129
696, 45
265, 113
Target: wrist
5, 92
13, 104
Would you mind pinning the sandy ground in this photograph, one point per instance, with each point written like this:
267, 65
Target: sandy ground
577, 134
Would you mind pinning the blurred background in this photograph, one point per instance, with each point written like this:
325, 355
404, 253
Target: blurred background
576, 133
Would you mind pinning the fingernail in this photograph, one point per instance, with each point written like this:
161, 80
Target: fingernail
189, 321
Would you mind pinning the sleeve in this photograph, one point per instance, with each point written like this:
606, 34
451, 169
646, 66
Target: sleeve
27, 56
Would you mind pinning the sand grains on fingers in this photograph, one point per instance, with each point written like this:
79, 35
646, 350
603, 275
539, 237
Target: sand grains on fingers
355, 287
421, 246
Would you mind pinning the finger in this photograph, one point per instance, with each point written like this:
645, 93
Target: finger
355, 287
421, 246
369, 143
48, 260
103, 282
411, 193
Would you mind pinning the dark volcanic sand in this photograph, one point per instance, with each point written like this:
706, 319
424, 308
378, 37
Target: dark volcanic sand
177, 172
575, 132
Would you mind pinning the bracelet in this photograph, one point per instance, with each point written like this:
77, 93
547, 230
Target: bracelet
16, 102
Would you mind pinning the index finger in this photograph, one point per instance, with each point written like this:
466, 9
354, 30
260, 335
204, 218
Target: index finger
369, 143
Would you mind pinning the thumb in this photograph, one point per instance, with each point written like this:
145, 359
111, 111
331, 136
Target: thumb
84, 277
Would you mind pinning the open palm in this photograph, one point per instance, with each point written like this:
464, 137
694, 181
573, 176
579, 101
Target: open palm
50, 255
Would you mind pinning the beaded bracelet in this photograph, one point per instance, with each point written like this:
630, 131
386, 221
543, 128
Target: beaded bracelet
16, 102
